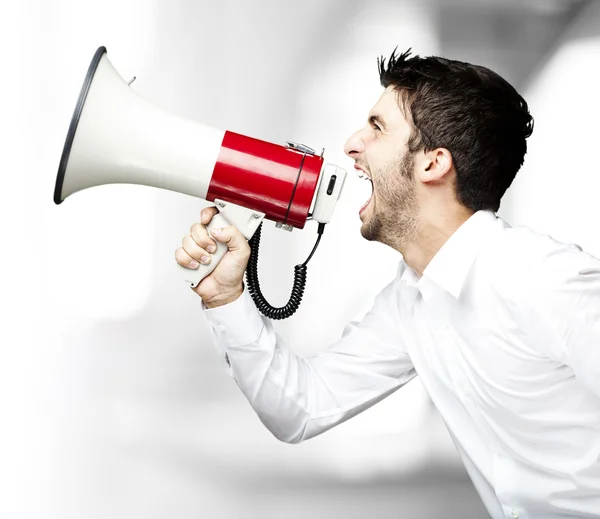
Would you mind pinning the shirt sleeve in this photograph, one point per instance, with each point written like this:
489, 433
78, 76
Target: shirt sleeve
564, 314
298, 398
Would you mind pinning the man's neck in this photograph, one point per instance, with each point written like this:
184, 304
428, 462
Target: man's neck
431, 235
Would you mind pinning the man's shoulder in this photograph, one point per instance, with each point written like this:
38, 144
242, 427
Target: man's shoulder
525, 259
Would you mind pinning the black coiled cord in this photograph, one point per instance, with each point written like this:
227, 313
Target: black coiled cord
254, 285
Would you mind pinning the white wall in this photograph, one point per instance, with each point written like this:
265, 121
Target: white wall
557, 190
62, 269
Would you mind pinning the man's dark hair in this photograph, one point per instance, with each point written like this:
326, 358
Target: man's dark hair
469, 110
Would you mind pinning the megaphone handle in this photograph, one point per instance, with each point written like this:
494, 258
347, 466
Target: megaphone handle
194, 276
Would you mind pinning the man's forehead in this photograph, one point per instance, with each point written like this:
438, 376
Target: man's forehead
387, 106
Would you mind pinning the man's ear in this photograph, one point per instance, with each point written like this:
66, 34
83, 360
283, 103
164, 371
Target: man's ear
434, 165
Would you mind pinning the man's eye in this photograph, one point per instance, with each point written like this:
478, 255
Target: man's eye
376, 127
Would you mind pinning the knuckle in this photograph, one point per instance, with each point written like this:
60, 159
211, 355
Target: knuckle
188, 243
199, 234
232, 231
192, 249
180, 256
196, 229
239, 236
207, 213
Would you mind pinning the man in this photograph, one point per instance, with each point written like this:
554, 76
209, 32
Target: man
502, 324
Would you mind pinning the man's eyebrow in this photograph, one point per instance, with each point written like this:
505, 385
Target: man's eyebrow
377, 119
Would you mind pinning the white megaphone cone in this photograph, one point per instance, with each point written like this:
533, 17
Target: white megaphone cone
119, 137
116, 136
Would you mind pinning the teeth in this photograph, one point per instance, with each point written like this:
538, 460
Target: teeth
362, 174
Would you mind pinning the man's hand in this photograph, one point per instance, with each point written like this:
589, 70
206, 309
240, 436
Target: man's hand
224, 284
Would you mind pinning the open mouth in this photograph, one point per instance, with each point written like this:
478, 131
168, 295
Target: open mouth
366, 204
363, 175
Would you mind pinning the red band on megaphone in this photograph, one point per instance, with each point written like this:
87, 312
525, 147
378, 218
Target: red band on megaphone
267, 177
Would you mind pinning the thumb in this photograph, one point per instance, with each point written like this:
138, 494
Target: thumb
231, 236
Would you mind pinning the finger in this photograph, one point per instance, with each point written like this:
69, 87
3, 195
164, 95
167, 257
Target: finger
194, 250
185, 260
206, 215
202, 238
231, 235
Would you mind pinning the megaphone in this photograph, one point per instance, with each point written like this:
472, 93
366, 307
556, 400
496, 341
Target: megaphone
116, 136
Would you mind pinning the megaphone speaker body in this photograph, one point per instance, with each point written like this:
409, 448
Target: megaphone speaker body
116, 136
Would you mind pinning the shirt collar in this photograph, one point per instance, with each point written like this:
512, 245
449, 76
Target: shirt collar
410, 279
450, 266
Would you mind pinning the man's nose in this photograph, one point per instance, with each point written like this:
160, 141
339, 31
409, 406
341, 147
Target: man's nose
354, 145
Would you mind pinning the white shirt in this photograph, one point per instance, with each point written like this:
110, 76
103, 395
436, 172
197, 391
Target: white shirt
503, 328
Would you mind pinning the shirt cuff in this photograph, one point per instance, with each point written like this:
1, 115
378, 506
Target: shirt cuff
235, 324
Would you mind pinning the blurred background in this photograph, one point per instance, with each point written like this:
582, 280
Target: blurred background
114, 401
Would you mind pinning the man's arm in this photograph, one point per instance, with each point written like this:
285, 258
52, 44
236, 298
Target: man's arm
295, 398
298, 398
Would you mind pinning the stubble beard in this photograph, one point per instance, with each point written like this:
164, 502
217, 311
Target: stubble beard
393, 219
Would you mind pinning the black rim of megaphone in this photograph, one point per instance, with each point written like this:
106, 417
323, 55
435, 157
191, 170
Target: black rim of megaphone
64, 160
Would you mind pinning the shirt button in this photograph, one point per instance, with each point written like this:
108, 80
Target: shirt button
514, 513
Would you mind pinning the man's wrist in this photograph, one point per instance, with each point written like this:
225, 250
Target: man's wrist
222, 300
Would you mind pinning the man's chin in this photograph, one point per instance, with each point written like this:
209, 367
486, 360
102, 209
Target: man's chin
370, 229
